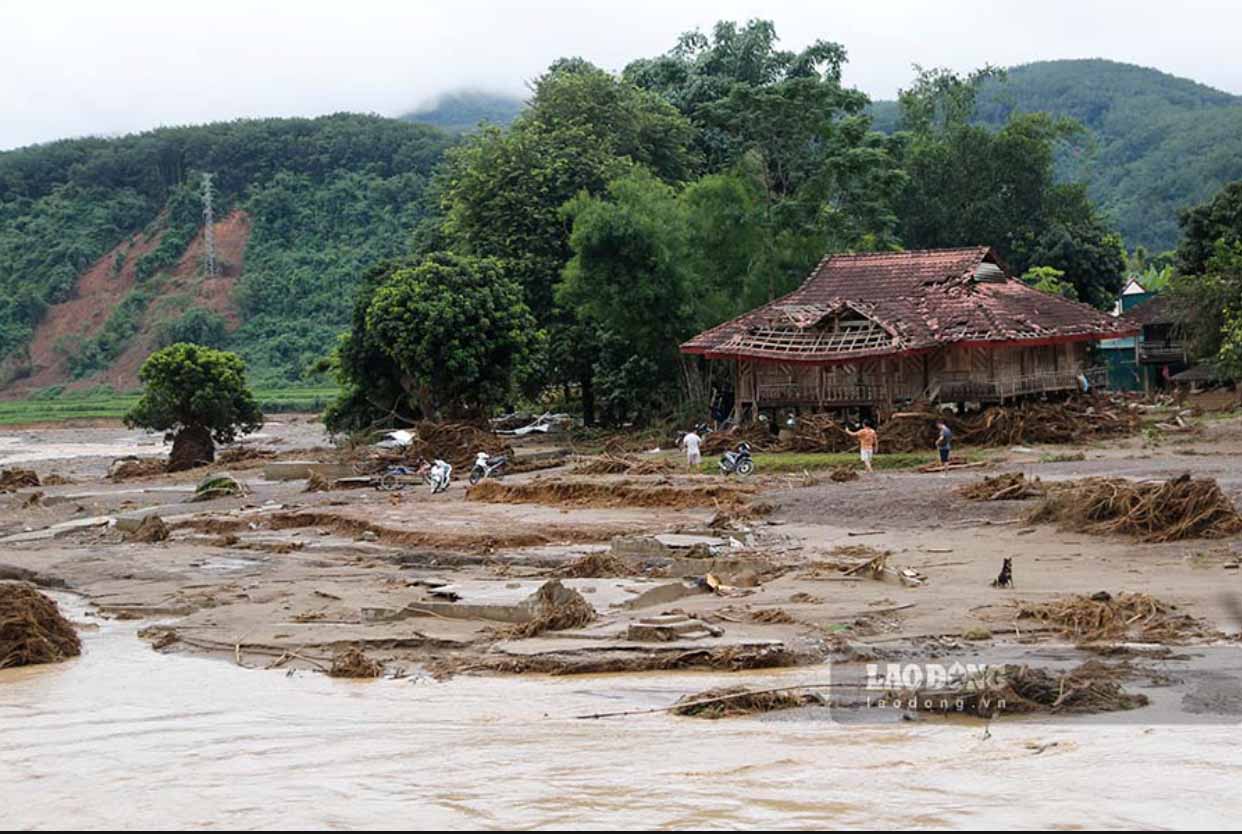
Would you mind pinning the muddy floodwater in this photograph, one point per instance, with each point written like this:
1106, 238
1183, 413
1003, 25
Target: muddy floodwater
125, 737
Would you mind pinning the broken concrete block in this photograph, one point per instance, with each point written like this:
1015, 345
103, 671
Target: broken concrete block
665, 628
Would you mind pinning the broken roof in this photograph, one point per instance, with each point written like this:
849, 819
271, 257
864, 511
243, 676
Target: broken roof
914, 302
1156, 310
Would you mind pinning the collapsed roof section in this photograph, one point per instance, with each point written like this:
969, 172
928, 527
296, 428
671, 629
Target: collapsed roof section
893, 303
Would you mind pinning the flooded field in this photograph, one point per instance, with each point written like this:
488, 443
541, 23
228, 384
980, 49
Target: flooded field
183, 726
125, 737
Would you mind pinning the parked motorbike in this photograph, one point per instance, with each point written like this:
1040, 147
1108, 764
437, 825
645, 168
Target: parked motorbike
486, 466
737, 462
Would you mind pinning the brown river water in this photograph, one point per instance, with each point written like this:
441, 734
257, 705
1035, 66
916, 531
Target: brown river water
126, 737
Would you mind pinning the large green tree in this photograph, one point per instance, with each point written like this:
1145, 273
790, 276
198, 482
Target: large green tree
502, 191
200, 395
457, 330
970, 185
1204, 226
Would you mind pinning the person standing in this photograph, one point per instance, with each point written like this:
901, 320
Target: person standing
692, 441
944, 443
868, 441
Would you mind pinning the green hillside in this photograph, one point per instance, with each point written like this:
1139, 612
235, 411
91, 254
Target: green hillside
322, 199
1158, 143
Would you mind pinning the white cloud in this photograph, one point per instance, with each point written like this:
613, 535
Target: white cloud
69, 69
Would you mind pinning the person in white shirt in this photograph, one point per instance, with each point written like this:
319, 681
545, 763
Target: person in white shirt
691, 441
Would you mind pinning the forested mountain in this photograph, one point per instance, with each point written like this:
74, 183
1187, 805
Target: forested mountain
755, 160
1157, 143
101, 239
467, 109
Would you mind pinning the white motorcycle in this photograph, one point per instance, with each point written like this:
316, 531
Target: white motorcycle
438, 475
486, 466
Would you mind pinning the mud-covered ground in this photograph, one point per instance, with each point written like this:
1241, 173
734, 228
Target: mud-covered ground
433, 584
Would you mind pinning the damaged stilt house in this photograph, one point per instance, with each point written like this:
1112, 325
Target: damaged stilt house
878, 329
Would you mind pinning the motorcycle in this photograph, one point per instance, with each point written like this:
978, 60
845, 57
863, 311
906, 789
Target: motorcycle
437, 475
486, 466
737, 462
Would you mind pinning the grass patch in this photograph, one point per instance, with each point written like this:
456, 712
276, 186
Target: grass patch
777, 462
55, 406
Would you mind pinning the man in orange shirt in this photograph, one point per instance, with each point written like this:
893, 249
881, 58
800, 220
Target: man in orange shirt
868, 440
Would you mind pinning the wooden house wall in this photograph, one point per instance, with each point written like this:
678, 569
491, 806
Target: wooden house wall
973, 370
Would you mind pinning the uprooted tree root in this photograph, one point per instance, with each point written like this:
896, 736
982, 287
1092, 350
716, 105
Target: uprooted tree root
1017, 690
1180, 508
353, 663
732, 701
615, 464
560, 493
1010, 486
1104, 617
32, 629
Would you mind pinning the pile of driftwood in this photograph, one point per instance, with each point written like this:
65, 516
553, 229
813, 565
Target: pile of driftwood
730, 701
354, 663
1013, 689
1011, 486
1150, 511
1076, 420
32, 629
456, 443
1103, 616
620, 464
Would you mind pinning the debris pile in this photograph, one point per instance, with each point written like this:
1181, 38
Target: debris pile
596, 566
1180, 508
456, 443
123, 469
151, 530
317, 483
1105, 617
843, 474
561, 493
245, 454
557, 608
12, 480
1011, 486
353, 663
614, 464
1080, 419
1014, 689
731, 701
32, 629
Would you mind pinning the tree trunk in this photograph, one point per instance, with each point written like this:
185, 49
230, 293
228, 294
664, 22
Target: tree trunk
588, 399
192, 447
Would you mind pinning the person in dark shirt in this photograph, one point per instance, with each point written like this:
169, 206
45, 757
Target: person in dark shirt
944, 443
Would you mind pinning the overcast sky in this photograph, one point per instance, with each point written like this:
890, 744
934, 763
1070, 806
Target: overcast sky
71, 69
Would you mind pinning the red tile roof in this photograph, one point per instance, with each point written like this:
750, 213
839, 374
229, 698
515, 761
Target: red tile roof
921, 299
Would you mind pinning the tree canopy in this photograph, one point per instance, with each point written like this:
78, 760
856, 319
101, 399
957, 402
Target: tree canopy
454, 328
199, 394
